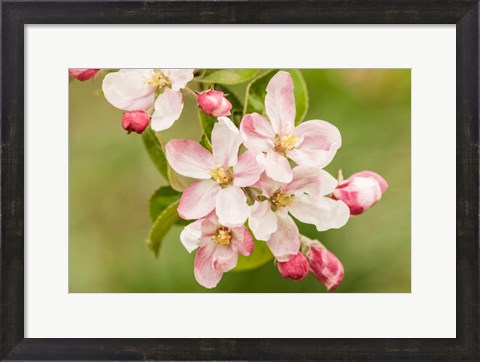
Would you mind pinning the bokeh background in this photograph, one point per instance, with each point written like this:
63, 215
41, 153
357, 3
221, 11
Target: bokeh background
111, 178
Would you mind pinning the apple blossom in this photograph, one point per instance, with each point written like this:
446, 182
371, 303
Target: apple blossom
213, 103
82, 74
221, 174
219, 247
135, 89
295, 269
135, 121
361, 191
304, 198
312, 143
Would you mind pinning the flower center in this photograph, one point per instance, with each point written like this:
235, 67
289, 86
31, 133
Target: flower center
280, 199
222, 176
285, 143
159, 80
223, 236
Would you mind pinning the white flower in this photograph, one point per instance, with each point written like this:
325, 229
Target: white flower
135, 90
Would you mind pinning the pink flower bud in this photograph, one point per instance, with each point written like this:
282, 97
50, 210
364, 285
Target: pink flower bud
296, 268
135, 121
213, 103
325, 267
83, 74
361, 191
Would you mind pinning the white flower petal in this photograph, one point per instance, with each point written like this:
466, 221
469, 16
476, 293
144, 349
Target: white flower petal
280, 102
257, 133
128, 90
225, 258
322, 212
277, 167
284, 243
203, 268
262, 220
267, 185
168, 108
225, 142
198, 200
320, 142
248, 169
189, 158
191, 235
311, 180
178, 77
231, 206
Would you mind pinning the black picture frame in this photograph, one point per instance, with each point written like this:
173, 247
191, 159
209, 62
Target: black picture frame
15, 14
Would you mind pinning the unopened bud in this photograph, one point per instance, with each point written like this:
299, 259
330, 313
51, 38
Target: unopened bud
213, 103
82, 74
325, 266
135, 121
361, 191
296, 268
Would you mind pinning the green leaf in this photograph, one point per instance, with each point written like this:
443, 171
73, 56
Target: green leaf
206, 122
257, 90
261, 255
161, 226
301, 95
155, 151
161, 199
227, 76
206, 143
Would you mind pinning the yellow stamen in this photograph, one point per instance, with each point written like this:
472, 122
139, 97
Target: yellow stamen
222, 176
280, 199
285, 143
223, 236
159, 80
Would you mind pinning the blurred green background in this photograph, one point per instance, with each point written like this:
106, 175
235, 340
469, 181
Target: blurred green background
111, 178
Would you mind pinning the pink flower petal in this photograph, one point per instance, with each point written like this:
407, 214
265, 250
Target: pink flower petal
262, 220
203, 268
168, 108
178, 77
320, 142
189, 158
191, 235
280, 102
198, 199
225, 257
257, 133
311, 180
231, 206
381, 181
248, 169
128, 90
322, 212
277, 167
267, 185
210, 224
285, 242
225, 142
243, 240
